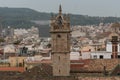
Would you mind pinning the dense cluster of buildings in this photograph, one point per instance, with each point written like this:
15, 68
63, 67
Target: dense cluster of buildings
77, 53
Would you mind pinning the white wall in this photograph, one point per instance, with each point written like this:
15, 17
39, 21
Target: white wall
106, 55
74, 56
85, 55
109, 47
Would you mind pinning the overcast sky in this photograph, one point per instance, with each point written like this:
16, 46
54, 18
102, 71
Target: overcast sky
85, 7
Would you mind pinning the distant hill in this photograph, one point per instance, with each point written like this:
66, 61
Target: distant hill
20, 17
25, 18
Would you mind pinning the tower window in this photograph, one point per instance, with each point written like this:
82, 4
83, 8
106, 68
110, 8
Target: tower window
59, 21
59, 36
59, 58
59, 70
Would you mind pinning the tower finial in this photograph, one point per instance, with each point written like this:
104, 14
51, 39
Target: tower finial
60, 9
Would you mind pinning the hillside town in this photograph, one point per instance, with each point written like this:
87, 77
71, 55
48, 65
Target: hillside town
70, 53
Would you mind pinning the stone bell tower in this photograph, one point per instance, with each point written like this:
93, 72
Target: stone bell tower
60, 34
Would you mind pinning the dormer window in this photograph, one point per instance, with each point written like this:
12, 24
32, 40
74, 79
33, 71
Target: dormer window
59, 21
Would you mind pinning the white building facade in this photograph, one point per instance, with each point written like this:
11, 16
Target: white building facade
105, 54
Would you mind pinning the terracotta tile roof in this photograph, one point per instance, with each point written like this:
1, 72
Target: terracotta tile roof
98, 65
42, 72
95, 65
115, 71
19, 69
89, 65
8, 75
79, 65
86, 61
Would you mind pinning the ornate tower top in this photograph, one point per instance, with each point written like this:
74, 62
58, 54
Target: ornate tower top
60, 22
60, 10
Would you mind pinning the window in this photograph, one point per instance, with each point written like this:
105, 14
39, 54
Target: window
118, 74
59, 36
26, 68
59, 70
59, 21
119, 56
95, 56
20, 65
98, 49
116, 48
111, 56
101, 56
59, 58
114, 38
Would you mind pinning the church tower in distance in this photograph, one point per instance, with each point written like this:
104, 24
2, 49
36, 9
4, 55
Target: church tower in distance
60, 34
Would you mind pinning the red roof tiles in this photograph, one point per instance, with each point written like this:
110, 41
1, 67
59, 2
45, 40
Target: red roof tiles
19, 69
